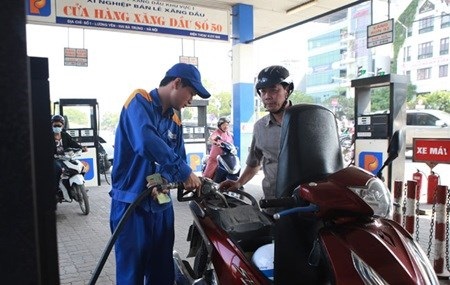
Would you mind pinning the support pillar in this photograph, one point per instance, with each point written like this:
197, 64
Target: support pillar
243, 78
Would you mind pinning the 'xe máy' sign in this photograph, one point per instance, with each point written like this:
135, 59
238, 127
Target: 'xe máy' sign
431, 151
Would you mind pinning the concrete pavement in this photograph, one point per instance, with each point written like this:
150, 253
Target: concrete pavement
82, 239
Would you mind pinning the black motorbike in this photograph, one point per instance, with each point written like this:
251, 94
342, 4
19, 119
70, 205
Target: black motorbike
228, 163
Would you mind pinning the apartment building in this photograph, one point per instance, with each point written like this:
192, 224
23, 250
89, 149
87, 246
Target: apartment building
425, 55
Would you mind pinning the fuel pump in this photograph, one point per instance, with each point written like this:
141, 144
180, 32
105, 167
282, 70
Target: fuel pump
82, 125
195, 133
374, 127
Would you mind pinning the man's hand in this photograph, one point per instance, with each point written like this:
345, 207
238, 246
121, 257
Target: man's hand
155, 191
193, 182
229, 185
84, 149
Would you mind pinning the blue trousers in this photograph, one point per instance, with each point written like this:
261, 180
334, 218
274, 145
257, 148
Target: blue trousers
144, 246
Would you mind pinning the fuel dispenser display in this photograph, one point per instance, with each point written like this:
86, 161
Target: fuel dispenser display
82, 125
195, 133
374, 127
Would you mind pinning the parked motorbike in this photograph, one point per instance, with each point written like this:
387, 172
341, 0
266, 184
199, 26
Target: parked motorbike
335, 225
228, 163
347, 146
71, 185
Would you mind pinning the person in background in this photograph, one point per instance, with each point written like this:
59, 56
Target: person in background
221, 134
149, 140
274, 87
63, 141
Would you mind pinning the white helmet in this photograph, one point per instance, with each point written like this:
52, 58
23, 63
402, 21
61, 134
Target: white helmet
263, 259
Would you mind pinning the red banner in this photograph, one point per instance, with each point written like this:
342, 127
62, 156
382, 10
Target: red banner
431, 150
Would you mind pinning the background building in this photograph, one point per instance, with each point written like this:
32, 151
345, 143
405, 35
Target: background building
337, 51
425, 56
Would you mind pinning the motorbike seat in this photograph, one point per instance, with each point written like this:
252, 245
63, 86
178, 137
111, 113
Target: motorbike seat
309, 147
243, 222
310, 151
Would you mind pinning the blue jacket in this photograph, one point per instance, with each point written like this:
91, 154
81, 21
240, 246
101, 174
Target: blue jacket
147, 142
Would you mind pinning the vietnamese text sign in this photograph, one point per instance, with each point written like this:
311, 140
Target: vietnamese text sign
189, 59
144, 16
75, 57
380, 33
431, 151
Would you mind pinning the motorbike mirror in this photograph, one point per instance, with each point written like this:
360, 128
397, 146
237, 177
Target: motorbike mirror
394, 147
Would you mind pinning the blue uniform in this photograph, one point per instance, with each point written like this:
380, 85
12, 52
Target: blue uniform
147, 142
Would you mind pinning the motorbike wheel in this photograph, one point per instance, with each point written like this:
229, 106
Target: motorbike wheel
204, 269
200, 261
82, 198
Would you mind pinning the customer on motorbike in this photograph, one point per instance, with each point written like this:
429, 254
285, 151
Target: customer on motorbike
63, 141
221, 134
274, 88
149, 140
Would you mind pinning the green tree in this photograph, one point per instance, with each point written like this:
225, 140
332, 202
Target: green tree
109, 121
406, 19
220, 104
437, 100
345, 106
411, 96
75, 117
186, 114
298, 97
380, 98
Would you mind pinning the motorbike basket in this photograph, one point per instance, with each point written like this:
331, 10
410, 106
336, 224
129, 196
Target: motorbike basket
242, 222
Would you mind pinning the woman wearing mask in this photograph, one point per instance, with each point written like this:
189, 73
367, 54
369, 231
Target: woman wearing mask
62, 141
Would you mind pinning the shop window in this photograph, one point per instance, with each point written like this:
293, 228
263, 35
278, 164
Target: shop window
426, 25
407, 53
445, 20
425, 50
424, 73
444, 46
443, 70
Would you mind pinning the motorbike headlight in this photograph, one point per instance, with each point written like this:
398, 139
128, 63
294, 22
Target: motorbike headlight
367, 273
377, 195
370, 276
423, 262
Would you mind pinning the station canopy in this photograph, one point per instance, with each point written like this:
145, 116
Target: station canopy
204, 19
270, 16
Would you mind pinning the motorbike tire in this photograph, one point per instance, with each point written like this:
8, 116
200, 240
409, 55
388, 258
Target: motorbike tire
82, 198
200, 261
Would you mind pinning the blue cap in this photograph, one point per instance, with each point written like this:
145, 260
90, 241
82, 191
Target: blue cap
190, 73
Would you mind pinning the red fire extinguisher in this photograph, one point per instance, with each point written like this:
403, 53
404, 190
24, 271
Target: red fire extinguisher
418, 176
433, 181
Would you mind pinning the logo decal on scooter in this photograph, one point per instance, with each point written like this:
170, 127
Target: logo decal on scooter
245, 278
371, 161
88, 163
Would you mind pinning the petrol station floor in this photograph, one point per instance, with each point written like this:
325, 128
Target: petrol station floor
82, 239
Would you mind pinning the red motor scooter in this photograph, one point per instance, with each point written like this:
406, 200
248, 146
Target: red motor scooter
334, 226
